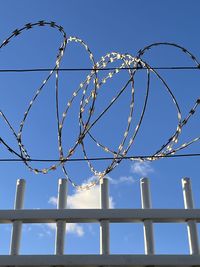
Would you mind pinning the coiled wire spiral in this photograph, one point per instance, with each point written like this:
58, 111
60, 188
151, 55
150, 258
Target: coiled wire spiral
126, 61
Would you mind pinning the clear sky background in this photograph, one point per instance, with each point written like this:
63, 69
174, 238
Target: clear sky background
106, 26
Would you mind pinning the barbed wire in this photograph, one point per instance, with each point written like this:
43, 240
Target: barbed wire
89, 96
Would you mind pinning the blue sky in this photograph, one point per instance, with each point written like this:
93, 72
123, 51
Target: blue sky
106, 26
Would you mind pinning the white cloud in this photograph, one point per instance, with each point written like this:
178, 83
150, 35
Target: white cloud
75, 229
26, 228
72, 228
89, 199
142, 168
41, 235
44, 230
53, 201
122, 179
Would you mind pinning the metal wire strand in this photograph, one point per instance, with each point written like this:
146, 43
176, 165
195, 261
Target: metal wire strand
90, 88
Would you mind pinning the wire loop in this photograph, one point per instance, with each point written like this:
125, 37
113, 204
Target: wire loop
89, 97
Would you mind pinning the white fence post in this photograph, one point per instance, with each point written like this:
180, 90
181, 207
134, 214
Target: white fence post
17, 225
148, 225
191, 224
61, 225
104, 224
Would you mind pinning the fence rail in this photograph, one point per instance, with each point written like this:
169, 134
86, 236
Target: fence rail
101, 260
147, 216
98, 215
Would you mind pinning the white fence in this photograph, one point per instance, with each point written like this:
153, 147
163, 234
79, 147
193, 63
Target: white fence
104, 216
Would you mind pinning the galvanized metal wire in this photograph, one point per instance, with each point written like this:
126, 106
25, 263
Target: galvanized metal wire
126, 62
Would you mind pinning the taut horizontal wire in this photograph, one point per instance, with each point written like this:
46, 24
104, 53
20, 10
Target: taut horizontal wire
96, 69
100, 158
